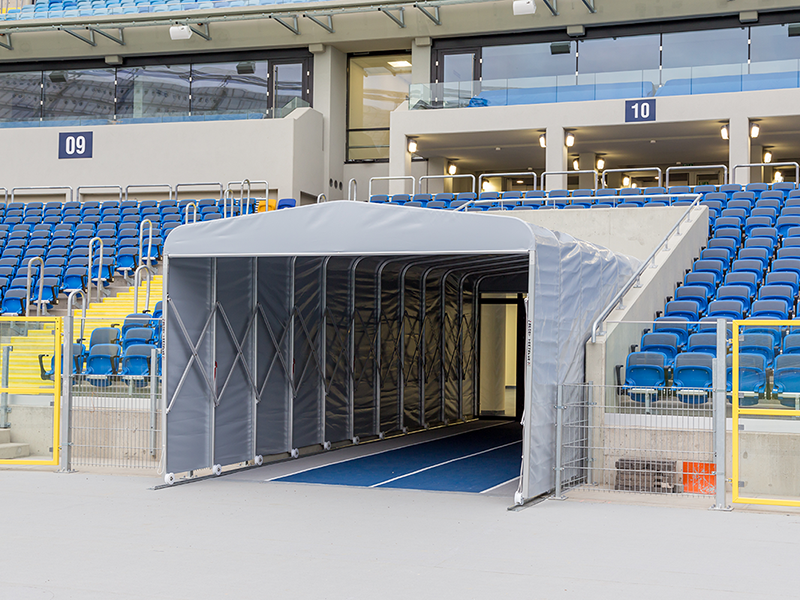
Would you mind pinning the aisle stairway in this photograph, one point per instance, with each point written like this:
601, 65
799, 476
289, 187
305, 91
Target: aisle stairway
27, 346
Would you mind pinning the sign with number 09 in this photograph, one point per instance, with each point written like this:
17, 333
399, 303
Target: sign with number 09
75, 145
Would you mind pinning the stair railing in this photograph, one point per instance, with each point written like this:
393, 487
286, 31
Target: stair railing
28, 286
99, 270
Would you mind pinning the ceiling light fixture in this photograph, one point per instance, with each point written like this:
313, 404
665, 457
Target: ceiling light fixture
626, 181
399, 64
452, 169
723, 132
755, 129
767, 156
601, 164
778, 177
576, 165
543, 141
570, 139
412, 146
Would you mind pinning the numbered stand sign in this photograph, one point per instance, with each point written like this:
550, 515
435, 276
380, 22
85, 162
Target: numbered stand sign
637, 111
75, 145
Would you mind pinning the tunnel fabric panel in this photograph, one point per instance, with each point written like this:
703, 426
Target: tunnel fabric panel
190, 419
430, 265
234, 357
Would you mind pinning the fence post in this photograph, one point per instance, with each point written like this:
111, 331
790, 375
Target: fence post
67, 360
719, 427
590, 433
153, 396
4, 410
559, 440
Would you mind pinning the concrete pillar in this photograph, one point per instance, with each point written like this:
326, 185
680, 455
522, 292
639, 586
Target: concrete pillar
759, 173
399, 160
739, 149
421, 60
330, 99
493, 359
438, 166
587, 160
555, 159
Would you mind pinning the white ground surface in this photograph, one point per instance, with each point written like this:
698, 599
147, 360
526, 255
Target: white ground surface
109, 537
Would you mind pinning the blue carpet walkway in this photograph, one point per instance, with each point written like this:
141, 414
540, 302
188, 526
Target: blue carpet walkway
474, 461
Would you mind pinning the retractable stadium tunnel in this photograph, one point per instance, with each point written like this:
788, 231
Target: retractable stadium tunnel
326, 324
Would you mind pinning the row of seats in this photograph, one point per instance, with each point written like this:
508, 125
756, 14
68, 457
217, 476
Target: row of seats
57, 9
692, 376
116, 352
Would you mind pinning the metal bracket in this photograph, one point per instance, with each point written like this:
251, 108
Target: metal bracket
91, 39
326, 26
400, 21
590, 5
552, 5
433, 17
7, 43
293, 28
205, 34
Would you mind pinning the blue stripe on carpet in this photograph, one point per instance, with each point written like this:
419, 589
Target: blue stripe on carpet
378, 468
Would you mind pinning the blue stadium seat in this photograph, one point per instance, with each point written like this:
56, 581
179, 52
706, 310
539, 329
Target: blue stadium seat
682, 308
665, 344
104, 335
102, 363
706, 280
725, 309
696, 293
702, 342
677, 325
784, 278
136, 364
783, 293
769, 310
758, 343
744, 278
752, 377
786, 380
644, 375
692, 377
738, 293
791, 344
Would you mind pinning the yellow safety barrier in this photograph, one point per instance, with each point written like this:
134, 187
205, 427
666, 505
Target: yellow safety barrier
30, 394
772, 437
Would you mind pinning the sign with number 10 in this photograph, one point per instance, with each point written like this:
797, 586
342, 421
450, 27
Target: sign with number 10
640, 110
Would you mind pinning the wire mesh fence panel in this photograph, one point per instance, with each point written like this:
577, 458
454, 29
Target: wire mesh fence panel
116, 421
652, 439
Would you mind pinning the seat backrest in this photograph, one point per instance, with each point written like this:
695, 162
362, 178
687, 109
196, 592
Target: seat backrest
708, 340
691, 291
748, 360
784, 278
786, 264
694, 359
776, 290
725, 307
791, 341
104, 335
748, 264
756, 340
777, 307
653, 359
682, 306
740, 277
659, 339
787, 361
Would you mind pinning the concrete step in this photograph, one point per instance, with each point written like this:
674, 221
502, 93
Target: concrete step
13, 450
5, 436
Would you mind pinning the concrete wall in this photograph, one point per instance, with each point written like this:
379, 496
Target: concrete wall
737, 108
286, 152
641, 303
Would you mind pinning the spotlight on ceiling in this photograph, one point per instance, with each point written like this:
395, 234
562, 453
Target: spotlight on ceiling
180, 32
570, 139
412, 146
452, 169
723, 132
767, 156
778, 177
601, 164
755, 129
523, 7
543, 141
576, 165
626, 181
246, 68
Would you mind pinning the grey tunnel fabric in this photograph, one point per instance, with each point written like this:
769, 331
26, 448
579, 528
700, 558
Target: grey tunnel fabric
345, 320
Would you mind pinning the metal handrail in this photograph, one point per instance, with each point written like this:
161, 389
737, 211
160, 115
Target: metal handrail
28, 286
469, 176
97, 187
149, 242
186, 213
5, 192
522, 174
249, 192
352, 185
636, 276
227, 195
31, 188
780, 164
241, 196
603, 174
206, 184
70, 301
699, 168
148, 186
99, 271
322, 198
543, 180
137, 281
392, 178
